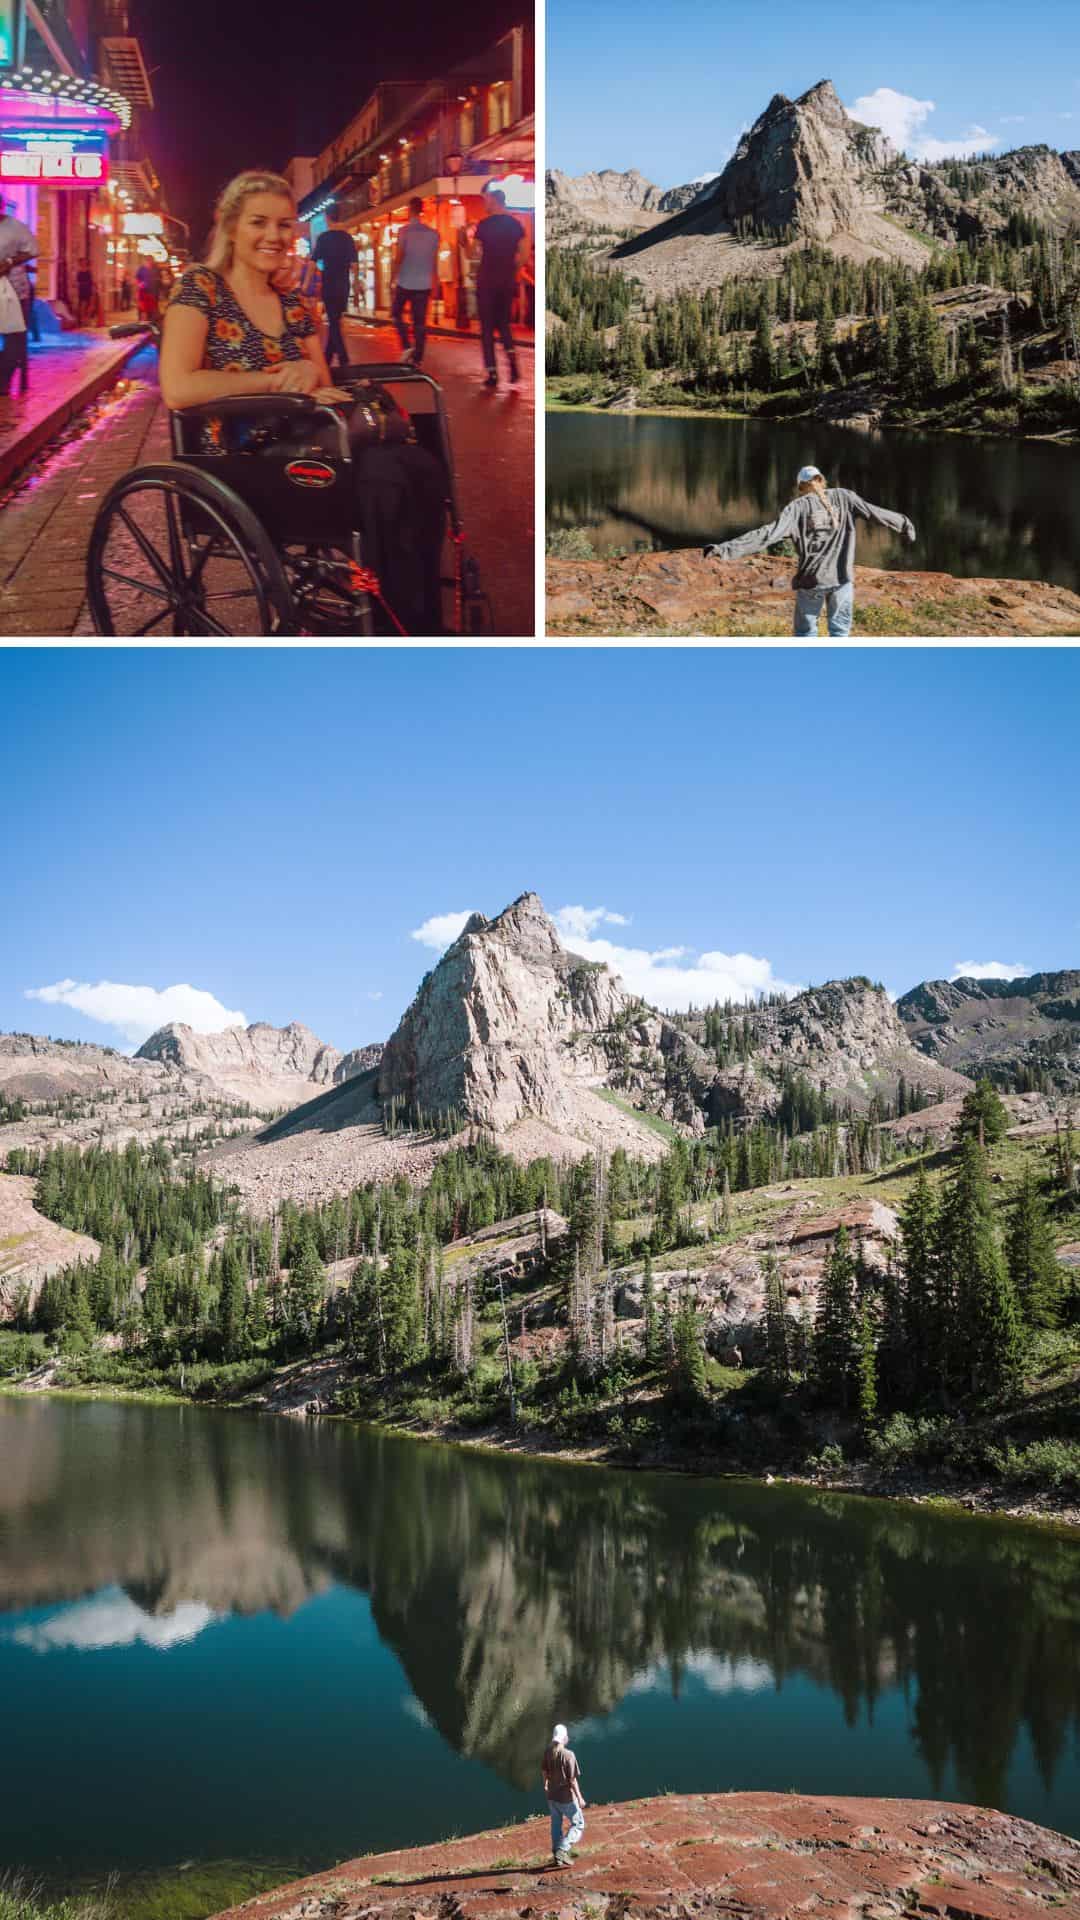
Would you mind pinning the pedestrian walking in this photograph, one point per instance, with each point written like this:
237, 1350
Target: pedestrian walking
415, 278
503, 246
562, 1784
148, 284
17, 248
86, 296
335, 252
821, 521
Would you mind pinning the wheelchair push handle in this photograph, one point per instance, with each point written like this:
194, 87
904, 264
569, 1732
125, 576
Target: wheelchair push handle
127, 330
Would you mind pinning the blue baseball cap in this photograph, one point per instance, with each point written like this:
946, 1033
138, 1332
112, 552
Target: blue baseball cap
806, 474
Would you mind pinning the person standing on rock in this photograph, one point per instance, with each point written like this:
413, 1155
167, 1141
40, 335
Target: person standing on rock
821, 521
562, 1784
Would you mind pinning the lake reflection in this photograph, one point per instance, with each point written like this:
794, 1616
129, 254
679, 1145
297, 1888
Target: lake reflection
223, 1636
1007, 509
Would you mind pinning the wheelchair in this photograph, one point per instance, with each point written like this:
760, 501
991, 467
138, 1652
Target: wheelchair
250, 528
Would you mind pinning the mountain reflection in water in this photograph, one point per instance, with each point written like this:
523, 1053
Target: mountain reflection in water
1003, 509
250, 1634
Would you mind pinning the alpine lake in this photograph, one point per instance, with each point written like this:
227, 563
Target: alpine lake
982, 507
234, 1647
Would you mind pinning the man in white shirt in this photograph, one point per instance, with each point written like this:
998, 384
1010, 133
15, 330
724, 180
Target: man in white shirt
17, 247
415, 275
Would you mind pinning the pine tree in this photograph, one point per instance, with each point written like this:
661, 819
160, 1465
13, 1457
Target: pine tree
922, 1358
867, 1362
834, 1327
778, 1360
648, 1307
1029, 1248
986, 1333
232, 1302
983, 1115
304, 1294
687, 1376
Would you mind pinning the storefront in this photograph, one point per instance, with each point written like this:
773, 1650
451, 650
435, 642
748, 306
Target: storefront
454, 206
55, 133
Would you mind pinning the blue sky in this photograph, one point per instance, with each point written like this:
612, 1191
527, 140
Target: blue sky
670, 89
270, 829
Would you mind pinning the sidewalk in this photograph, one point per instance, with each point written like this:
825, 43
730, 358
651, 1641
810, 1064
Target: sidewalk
67, 372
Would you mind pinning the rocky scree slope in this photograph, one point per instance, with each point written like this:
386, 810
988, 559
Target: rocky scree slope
1000, 1027
807, 171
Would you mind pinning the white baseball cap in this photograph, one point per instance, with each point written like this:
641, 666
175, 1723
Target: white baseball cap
806, 474
560, 1735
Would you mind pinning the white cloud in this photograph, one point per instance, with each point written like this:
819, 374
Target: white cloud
901, 117
376, 994
111, 1619
577, 923
441, 930
990, 970
673, 978
137, 1012
1013, 119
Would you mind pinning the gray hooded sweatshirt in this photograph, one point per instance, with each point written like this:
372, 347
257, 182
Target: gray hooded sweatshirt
825, 540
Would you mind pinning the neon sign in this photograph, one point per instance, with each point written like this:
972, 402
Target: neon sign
54, 156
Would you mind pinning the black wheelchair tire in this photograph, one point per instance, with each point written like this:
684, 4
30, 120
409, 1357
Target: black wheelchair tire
233, 519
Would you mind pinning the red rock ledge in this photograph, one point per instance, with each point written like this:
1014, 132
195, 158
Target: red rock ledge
679, 593
719, 1855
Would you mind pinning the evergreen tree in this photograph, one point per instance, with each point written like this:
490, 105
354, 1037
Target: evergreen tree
986, 1338
652, 1348
867, 1362
304, 1294
922, 1358
687, 1377
778, 1360
983, 1115
1029, 1247
232, 1302
834, 1327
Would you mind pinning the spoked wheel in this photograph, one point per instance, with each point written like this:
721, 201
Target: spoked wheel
177, 552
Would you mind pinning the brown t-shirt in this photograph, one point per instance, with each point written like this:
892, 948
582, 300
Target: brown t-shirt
560, 1770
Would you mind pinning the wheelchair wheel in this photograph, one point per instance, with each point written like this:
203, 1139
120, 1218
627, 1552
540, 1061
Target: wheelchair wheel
175, 551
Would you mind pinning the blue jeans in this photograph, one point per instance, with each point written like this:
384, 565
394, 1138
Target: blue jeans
416, 298
565, 1810
839, 603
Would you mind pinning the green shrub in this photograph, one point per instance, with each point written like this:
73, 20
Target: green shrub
570, 543
20, 1353
829, 1460
1044, 1463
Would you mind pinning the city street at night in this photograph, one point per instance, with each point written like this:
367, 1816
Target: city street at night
47, 514
274, 217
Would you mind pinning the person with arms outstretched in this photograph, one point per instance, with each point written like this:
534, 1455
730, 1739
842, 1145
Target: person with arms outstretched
821, 521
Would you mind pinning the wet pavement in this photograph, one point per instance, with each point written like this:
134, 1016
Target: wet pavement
48, 511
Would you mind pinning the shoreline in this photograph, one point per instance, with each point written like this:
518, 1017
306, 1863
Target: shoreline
972, 1500
1065, 437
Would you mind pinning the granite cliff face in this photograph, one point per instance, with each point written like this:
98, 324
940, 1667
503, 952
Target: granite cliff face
1008, 1029
807, 171
510, 1027
609, 200
504, 1029
291, 1050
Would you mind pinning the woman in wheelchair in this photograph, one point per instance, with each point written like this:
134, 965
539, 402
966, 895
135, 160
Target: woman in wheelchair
229, 331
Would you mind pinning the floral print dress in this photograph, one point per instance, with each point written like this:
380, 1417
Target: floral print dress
234, 344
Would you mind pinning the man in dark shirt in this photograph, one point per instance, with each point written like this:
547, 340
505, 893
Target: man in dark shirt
335, 253
561, 1776
504, 247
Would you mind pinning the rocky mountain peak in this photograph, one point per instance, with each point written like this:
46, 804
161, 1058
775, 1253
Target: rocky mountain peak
260, 1052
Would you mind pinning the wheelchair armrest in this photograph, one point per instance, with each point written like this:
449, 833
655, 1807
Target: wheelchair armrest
244, 405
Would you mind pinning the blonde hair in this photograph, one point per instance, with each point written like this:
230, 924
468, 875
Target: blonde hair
231, 205
817, 486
